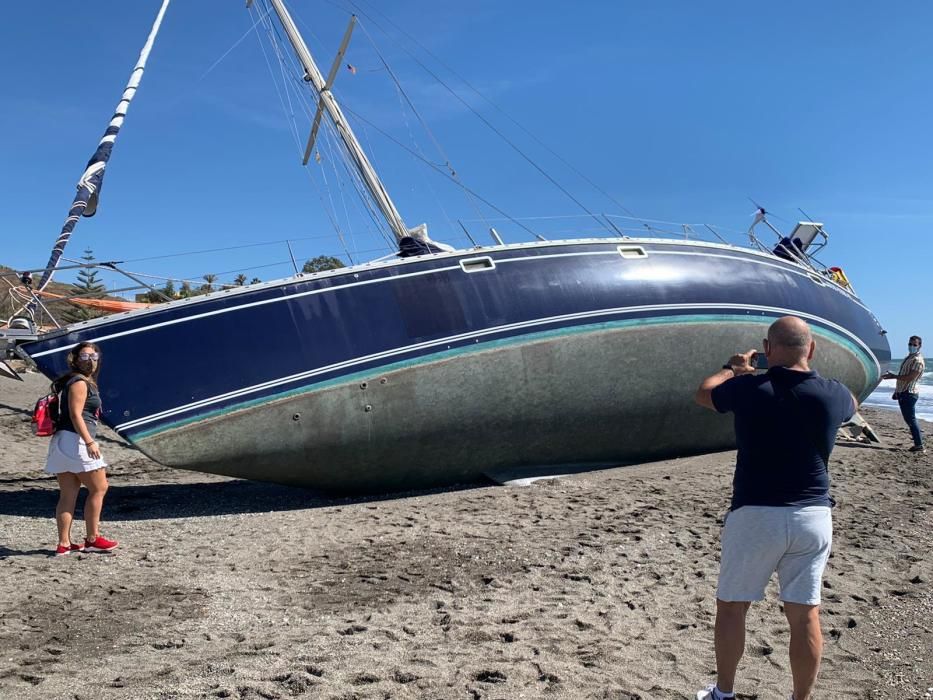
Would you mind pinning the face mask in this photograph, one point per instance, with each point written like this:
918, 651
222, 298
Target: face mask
913, 348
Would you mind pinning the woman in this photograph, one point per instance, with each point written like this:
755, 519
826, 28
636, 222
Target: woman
74, 455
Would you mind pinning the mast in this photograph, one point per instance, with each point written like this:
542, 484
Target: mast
327, 101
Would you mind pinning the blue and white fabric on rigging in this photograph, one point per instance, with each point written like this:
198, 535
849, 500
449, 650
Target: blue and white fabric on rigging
88, 194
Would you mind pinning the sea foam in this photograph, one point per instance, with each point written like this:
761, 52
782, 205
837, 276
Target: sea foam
881, 397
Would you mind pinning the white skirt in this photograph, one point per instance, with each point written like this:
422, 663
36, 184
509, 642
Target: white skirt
68, 453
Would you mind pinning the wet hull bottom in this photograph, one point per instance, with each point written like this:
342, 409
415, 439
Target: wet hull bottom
608, 396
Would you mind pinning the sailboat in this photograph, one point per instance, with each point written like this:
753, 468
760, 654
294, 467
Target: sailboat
440, 366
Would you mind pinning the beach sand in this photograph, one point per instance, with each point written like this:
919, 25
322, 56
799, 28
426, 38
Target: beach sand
599, 585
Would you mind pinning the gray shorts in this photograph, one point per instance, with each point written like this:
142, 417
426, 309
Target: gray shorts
759, 540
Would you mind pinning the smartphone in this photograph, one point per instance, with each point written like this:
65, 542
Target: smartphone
761, 361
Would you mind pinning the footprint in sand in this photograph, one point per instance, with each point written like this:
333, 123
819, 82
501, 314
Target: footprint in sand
31, 679
404, 677
365, 678
763, 649
295, 683
490, 677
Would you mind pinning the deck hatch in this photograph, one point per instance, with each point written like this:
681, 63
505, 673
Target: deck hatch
477, 264
632, 251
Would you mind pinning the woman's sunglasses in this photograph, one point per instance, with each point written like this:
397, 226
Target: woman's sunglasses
88, 356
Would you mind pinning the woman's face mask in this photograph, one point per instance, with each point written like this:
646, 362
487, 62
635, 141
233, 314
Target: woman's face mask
913, 348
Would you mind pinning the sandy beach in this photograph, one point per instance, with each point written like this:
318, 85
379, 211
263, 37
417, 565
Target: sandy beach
599, 585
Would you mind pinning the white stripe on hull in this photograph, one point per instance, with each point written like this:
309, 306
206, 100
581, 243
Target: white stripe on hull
485, 332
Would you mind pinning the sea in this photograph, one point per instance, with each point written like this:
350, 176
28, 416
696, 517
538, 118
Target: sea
881, 397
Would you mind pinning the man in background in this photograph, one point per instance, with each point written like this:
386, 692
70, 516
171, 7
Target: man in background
907, 389
780, 518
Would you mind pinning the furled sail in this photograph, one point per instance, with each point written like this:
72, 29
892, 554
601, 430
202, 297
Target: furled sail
88, 194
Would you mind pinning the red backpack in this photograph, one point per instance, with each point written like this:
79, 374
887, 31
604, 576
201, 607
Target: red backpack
46, 414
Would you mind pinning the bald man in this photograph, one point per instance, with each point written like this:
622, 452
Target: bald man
780, 518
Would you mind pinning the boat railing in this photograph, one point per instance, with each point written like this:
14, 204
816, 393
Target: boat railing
635, 227
638, 227
545, 228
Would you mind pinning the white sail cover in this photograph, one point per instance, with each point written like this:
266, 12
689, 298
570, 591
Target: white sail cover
420, 233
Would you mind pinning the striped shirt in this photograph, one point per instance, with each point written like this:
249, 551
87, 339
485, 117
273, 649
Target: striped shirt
911, 363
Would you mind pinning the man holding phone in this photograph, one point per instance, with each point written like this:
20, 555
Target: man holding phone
780, 518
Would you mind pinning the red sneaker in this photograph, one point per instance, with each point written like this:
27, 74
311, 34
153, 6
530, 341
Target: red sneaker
99, 544
61, 550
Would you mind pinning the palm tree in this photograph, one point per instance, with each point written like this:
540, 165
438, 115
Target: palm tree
239, 280
210, 278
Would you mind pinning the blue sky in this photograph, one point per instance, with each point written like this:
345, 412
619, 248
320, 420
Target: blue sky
679, 110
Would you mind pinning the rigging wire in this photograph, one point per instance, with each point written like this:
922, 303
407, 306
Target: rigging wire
479, 116
425, 180
441, 171
176, 278
301, 89
401, 90
290, 82
364, 192
333, 207
348, 178
495, 106
331, 212
300, 86
280, 54
225, 248
339, 154
355, 177
373, 157
345, 159
235, 44
335, 146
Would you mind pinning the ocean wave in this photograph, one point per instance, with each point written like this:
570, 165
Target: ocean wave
881, 398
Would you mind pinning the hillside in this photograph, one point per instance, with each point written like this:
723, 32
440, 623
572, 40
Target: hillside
57, 308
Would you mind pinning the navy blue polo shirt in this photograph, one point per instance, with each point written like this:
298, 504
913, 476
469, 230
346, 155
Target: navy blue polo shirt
785, 429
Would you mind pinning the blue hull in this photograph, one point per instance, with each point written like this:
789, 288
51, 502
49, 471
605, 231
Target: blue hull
409, 373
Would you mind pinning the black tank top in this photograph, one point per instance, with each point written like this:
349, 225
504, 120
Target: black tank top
90, 411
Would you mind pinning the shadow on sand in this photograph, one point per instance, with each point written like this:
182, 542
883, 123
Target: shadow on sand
16, 409
156, 501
